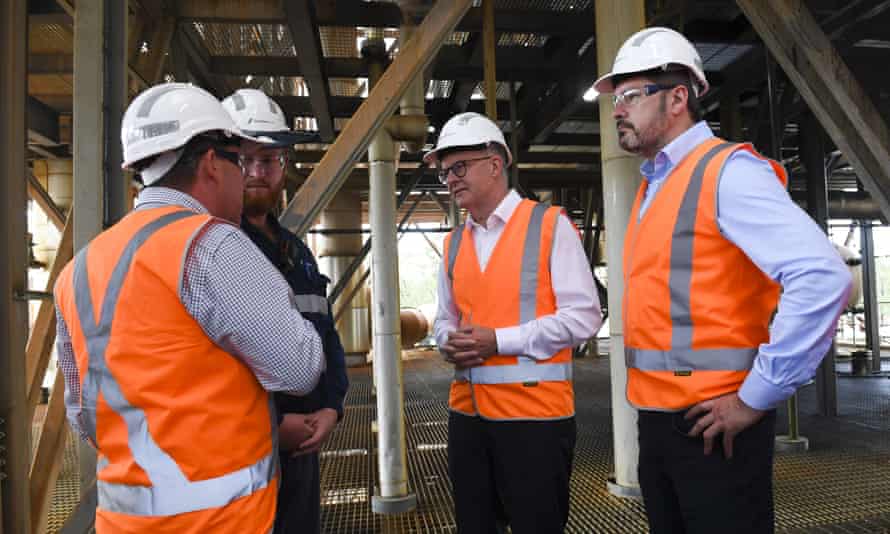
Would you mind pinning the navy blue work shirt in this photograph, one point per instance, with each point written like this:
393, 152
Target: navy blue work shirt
298, 266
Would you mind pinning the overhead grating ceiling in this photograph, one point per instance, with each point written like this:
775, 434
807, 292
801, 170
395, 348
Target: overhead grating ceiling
439, 89
246, 39
536, 40
546, 5
348, 86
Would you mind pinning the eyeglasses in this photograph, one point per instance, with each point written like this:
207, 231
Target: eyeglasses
231, 157
459, 168
265, 164
632, 97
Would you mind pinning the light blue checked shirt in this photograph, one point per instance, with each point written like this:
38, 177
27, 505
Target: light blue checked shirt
755, 212
241, 302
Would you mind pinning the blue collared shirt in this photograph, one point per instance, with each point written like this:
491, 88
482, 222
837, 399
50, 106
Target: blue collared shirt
755, 212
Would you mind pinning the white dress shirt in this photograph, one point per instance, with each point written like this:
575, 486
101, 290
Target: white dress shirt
577, 316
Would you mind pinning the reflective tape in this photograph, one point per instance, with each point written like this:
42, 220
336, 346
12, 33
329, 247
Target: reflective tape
171, 492
309, 303
690, 359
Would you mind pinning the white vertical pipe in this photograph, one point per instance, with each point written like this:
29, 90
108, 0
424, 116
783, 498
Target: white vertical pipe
616, 20
392, 461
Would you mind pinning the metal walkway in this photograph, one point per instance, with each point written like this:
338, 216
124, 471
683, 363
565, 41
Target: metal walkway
841, 485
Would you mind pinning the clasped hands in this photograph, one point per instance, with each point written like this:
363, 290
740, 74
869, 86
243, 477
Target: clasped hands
469, 346
301, 434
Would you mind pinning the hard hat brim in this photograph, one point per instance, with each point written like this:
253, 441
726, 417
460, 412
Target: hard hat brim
283, 139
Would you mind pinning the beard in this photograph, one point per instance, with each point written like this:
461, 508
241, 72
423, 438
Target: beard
647, 140
260, 201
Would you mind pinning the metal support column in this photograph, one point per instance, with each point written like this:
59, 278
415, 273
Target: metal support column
792, 441
514, 139
15, 429
89, 156
488, 58
870, 295
392, 495
616, 20
812, 151
115, 101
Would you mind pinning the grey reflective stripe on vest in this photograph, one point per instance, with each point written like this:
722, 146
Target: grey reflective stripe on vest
526, 368
309, 303
690, 359
681, 254
453, 247
524, 371
171, 492
681, 356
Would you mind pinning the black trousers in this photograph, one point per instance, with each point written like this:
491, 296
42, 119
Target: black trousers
299, 500
510, 472
688, 492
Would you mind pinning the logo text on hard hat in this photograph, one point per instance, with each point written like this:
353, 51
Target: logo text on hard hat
152, 130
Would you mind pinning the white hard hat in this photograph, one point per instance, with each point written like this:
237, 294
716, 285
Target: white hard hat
468, 130
164, 118
260, 116
654, 48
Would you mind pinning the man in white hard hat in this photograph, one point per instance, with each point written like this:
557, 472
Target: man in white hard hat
714, 246
172, 329
312, 417
515, 295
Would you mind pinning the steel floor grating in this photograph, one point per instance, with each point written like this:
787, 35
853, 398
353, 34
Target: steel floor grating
841, 485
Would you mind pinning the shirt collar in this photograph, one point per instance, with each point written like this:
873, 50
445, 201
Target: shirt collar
674, 152
503, 212
271, 219
155, 196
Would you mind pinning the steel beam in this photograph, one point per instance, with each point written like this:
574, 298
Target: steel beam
489, 47
89, 158
199, 60
43, 123
826, 84
115, 98
812, 152
376, 14
304, 31
39, 195
588, 158
151, 64
870, 295
462, 63
15, 429
413, 58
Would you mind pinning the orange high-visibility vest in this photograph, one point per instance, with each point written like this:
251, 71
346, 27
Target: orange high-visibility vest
696, 308
183, 429
510, 292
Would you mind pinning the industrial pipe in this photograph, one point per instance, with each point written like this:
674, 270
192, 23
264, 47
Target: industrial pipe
616, 20
392, 496
336, 251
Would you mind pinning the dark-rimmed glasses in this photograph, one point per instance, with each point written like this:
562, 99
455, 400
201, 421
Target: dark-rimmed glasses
459, 168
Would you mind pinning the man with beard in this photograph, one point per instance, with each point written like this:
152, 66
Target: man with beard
714, 245
313, 417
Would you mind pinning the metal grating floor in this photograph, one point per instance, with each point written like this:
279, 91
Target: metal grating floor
841, 485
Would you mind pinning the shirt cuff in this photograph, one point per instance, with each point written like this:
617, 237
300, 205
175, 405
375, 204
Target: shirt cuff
509, 340
760, 394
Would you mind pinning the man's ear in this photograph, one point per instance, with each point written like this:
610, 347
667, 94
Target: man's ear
497, 165
209, 166
679, 98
